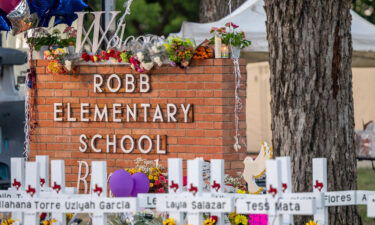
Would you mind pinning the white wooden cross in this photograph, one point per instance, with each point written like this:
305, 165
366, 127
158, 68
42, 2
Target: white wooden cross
32, 188
99, 188
175, 184
17, 174
217, 184
286, 183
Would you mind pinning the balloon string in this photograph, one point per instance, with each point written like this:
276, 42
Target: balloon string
238, 102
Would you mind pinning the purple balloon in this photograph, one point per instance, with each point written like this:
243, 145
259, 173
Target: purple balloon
9, 5
121, 183
141, 184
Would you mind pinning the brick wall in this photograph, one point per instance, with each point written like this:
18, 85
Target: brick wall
208, 85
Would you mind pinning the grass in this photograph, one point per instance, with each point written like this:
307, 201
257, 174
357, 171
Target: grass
366, 181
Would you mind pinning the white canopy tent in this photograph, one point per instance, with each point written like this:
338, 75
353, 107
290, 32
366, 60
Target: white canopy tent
251, 18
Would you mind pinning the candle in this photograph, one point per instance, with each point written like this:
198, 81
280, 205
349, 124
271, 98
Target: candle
224, 51
217, 46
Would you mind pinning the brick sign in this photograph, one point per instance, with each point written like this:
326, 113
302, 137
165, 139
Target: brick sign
110, 112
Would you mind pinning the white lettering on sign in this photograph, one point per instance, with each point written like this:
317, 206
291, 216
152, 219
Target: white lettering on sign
57, 108
145, 144
338, 198
114, 83
87, 205
118, 112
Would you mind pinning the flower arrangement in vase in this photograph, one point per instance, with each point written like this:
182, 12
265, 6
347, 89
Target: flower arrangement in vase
232, 37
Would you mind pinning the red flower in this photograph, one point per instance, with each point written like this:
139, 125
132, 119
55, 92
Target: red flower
230, 24
161, 190
157, 182
214, 218
85, 56
42, 216
161, 178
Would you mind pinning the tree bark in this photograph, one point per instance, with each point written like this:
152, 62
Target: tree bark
310, 49
213, 10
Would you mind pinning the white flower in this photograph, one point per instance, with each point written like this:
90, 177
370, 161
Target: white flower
147, 66
140, 56
158, 61
68, 65
155, 49
132, 66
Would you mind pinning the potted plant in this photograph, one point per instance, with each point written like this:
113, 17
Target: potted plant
232, 37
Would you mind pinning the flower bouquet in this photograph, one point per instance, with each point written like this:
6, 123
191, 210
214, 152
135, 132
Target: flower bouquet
203, 51
148, 52
57, 64
156, 174
111, 55
180, 51
231, 36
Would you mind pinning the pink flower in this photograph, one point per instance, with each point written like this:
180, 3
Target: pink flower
230, 24
213, 29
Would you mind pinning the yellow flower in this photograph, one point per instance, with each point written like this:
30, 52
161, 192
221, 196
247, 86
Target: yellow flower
151, 184
240, 220
209, 221
69, 216
311, 223
8, 222
241, 191
150, 177
156, 178
232, 215
49, 222
169, 221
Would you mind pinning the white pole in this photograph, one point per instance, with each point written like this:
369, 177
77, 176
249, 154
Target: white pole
17, 178
99, 188
58, 185
43, 161
320, 183
195, 186
217, 183
286, 183
32, 186
175, 184
273, 182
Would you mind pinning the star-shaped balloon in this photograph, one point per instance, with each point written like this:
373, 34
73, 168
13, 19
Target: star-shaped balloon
65, 11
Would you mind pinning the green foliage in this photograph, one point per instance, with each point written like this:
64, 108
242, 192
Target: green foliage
365, 8
231, 36
366, 182
159, 17
44, 39
180, 50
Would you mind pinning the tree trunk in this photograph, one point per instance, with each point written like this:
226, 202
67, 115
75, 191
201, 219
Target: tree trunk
212, 10
310, 49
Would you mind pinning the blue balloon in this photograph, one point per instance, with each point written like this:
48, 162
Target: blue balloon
65, 11
4, 22
41, 7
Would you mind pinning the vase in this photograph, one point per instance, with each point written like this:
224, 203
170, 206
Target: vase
236, 52
71, 50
